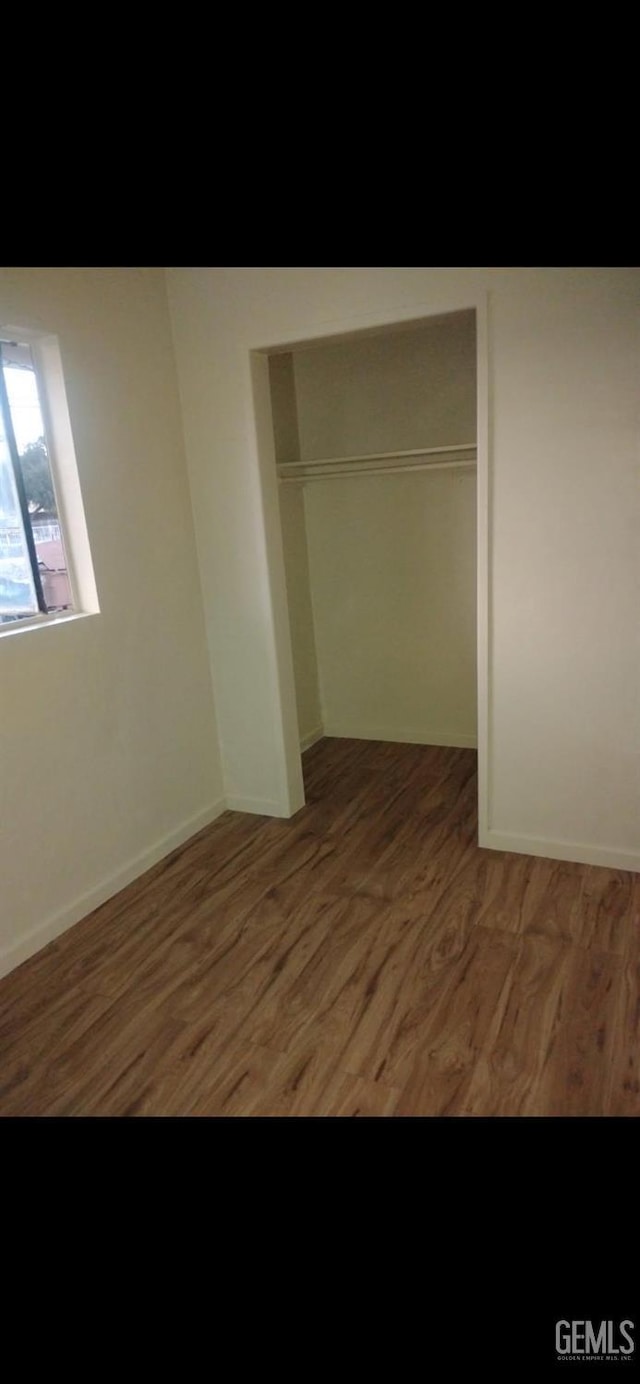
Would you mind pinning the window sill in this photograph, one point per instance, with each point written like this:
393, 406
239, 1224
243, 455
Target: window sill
44, 622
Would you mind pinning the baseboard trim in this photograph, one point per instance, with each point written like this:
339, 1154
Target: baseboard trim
560, 850
341, 730
311, 739
59, 922
261, 807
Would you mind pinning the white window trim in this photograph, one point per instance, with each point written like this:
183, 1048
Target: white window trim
45, 350
42, 621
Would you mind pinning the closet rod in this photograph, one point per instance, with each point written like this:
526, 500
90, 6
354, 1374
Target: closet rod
375, 471
380, 456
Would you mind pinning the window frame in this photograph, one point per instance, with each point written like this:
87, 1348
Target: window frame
44, 348
23, 504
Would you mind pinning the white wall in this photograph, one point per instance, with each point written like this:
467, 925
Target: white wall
295, 550
108, 739
564, 346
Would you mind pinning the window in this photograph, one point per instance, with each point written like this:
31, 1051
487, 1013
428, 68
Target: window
34, 574
36, 583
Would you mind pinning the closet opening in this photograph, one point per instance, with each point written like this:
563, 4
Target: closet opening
371, 443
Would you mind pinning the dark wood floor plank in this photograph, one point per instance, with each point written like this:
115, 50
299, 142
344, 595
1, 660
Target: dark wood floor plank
551, 907
507, 1075
224, 1081
624, 1076
576, 1076
454, 1033
306, 987
26, 1063
300, 1082
434, 928
606, 908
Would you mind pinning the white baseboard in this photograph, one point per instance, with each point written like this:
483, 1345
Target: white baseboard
311, 739
263, 807
560, 850
341, 730
52, 927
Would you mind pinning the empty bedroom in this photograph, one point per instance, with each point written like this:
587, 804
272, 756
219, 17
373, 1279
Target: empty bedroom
319, 692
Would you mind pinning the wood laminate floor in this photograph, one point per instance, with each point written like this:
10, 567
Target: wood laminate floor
363, 958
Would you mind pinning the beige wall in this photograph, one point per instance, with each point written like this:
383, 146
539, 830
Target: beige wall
564, 648
301, 621
399, 390
108, 741
393, 583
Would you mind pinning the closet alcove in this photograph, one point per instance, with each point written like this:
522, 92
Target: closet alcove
375, 439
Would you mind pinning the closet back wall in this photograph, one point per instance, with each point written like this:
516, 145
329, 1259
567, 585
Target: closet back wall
392, 559
400, 388
393, 595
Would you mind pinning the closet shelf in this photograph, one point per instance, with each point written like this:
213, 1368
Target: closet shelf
462, 455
